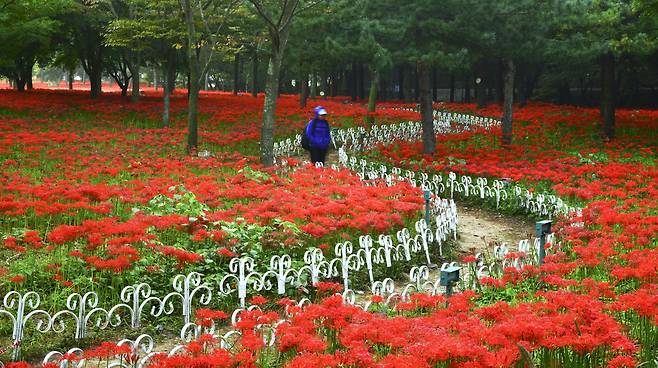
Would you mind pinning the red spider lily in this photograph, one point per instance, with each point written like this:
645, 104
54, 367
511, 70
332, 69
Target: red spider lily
226, 253
644, 302
377, 299
622, 361
258, 300
18, 365
107, 350
101, 170
205, 317
217, 358
469, 259
328, 287
314, 360
182, 256
18, 279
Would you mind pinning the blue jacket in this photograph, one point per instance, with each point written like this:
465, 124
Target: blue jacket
318, 133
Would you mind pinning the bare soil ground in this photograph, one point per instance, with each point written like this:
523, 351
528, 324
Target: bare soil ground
479, 230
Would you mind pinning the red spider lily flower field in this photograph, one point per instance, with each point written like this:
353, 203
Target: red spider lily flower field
96, 195
87, 200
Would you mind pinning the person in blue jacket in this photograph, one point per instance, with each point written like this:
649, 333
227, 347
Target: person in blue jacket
319, 135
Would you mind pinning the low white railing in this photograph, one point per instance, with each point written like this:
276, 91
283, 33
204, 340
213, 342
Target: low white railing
140, 301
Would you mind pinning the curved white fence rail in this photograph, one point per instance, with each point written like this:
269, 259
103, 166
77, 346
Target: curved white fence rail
500, 191
140, 302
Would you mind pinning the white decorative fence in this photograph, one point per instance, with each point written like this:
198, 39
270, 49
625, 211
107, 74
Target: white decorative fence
141, 350
451, 185
140, 302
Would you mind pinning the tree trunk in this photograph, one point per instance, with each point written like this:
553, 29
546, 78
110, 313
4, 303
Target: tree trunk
28, 80
19, 83
269, 107
23, 75
416, 80
303, 90
313, 90
70, 79
523, 98
168, 85
166, 93
324, 85
134, 71
435, 87
508, 91
608, 95
341, 83
372, 96
480, 93
467, 89
401, 83
96, 81
362, 81
500, 82
254, 73
334, 84
353, 81
166, 101
425, 95
452, 87
278, 40
564, 93
236, 73
92, 63
532, 82
121, 78
193, 80
27, 72
155, 79
358, 81
282, 73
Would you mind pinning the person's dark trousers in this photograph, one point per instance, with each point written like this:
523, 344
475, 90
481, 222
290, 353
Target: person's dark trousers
318, 155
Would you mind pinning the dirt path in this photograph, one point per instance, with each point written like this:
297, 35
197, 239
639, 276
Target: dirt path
332, 157
479, 230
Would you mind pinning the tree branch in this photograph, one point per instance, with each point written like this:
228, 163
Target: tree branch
261, 11
228, 11
7, 4
284, 7
308, 5
288, 13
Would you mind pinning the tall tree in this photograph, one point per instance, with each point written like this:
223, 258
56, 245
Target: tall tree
604, 32
27, 29
278, 18
87, 21
205, 21
508, 43
361, 39
423, 37
145, 29
132, 31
